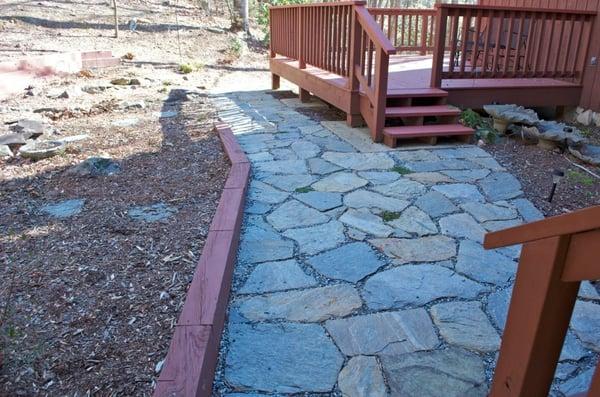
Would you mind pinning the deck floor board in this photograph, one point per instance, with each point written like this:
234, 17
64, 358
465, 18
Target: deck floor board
414, 71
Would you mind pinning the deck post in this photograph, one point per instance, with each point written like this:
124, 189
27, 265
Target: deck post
275, 81
380, 84
535, 331
439, 47
304, 95
353, 117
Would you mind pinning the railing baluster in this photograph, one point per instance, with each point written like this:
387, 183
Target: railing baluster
560, 46
465, 38
508, 47
516, 65
548, 52
453, 41
497, 43
563, 68
581, 20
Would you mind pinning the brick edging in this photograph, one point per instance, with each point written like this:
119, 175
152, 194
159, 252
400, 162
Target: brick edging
192, 357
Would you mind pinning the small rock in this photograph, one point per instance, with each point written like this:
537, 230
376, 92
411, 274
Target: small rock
128, 105
38, 150
215, 30
585, 117
63, 209
120, 81
596, 119
512, 114
94, 89
13, 141
96, 166
29, 129
126, 122
588, 153
152, 213
5, 151
166, 114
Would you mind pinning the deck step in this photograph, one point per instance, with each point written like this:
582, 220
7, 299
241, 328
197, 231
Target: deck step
417, 93
419, 131
421, 111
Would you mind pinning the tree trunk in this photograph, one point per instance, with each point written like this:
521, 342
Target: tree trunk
239, 16
116, 18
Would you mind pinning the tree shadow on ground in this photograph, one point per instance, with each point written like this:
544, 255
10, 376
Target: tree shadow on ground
94, 271
55, 24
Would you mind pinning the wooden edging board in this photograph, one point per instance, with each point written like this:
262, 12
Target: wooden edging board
190, 364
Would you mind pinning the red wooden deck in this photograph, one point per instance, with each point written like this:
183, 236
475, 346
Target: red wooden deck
412, 73
362, 61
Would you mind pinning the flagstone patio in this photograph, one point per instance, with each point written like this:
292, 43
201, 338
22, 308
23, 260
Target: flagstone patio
361, 270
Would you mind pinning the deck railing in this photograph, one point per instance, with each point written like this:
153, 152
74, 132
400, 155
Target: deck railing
341, 38
315, 34
558, 253
409, 30
508, 42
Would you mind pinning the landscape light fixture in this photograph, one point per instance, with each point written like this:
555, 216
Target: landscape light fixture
557, 176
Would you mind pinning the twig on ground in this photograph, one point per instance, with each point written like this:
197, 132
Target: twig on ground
592, 173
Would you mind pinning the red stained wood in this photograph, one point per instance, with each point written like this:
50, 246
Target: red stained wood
190, 365
192, 357
230, 145
558, 254
207, 294
229, 211
100, 63
414, 111
238, 176
417, 131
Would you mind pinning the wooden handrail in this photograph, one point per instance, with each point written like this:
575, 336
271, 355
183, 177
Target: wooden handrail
336, 3
558, 254
401, 11
456, 6
373, 31
409, 29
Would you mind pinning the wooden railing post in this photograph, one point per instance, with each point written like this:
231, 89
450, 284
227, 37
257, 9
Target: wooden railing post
535, 331
353, 118
271, 36
439, 48
380, 84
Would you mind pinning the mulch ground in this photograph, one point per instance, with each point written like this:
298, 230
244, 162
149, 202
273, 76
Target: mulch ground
90, 301
534, 167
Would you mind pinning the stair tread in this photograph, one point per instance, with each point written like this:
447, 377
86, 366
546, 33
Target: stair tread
416, 111
414, 131
416, 93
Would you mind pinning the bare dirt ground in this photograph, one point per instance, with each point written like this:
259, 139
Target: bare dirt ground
88, 303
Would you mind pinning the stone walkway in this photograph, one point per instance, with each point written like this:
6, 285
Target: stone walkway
361, 270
